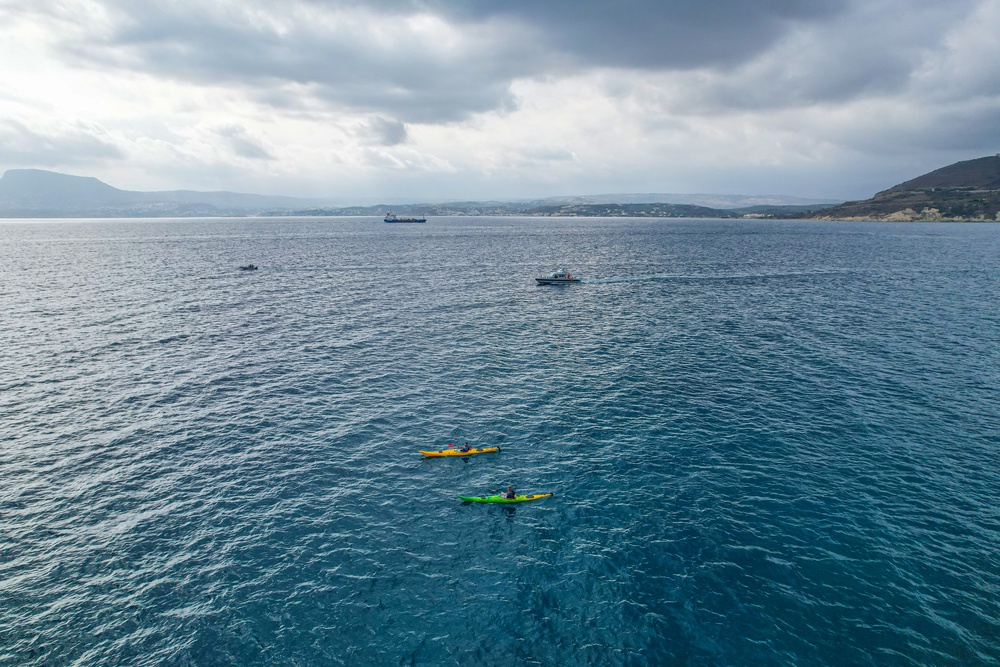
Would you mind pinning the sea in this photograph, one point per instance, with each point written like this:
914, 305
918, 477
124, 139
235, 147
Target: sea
768, 442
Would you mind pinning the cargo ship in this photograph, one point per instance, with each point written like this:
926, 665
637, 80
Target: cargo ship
391, 217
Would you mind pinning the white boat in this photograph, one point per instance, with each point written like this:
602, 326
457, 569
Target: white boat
557, 278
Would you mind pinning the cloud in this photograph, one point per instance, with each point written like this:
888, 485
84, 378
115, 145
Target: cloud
653, 34
432, 61
422, 61
873, 52
413, 67
380, 131
502, 97
242, 143
80, 142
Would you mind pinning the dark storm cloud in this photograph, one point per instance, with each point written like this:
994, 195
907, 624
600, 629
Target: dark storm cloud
649, 34
896, 51
385, 63
653, 34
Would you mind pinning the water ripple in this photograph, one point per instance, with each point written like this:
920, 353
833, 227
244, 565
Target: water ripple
769, 443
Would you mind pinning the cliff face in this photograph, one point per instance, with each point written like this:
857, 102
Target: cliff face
964, 191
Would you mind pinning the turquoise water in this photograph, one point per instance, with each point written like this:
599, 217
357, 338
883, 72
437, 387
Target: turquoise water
770, 443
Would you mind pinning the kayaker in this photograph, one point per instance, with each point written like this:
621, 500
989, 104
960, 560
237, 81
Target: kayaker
464, 448
510, 493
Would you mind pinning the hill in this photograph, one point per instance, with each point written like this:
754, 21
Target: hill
31, 188
964, 191
34, 193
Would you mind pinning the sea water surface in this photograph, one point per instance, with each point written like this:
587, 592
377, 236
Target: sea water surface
770, 443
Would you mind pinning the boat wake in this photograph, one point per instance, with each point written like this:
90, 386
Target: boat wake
631, 279
719, 277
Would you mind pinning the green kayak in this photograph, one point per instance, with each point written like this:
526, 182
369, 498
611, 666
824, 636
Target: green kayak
501, 499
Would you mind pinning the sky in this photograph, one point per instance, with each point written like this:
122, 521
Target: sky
428, 100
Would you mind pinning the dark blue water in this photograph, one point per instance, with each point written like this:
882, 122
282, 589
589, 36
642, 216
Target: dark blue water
770, 443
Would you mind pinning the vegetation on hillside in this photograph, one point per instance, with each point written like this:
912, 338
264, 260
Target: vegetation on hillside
964, 191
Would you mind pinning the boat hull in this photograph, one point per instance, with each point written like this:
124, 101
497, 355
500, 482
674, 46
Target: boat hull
456, 452
500, 500
557, 281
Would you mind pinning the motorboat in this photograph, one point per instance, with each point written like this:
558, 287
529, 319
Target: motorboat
557, 278
248, 267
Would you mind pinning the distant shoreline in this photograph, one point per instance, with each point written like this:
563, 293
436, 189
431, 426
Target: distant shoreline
742, 218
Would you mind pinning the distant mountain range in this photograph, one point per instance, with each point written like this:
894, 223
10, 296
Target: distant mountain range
35, 193
964, 191
967, 190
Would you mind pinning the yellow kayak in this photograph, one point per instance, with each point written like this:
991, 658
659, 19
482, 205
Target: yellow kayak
457, 452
